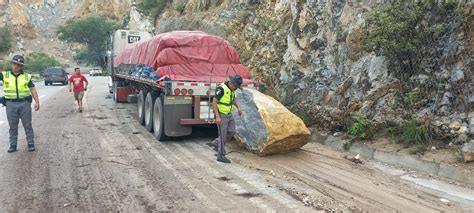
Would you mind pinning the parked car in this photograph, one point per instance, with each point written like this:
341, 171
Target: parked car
55, 75
95, 72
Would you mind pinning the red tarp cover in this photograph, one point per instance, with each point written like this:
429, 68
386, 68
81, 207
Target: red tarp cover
186, 55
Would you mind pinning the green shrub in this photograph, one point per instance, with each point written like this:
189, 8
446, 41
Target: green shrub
104, 72
6, 65
362, 128
347, 145
411, 97
402, 31
304, 116
336, 58
449, 4
37, 77
180, 8
245, 56
152, 7
266, 23
458, 156
412, 133
37, 61
392, 131
5, 39
167, 28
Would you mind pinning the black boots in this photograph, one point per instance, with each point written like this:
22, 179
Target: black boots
223, 159
12, 149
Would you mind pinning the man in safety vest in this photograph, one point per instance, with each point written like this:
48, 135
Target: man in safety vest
223, 104
17, 91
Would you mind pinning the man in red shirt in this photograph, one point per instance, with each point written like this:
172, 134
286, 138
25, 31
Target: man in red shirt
77, 86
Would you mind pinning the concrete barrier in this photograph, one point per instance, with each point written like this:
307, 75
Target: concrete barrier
403, 161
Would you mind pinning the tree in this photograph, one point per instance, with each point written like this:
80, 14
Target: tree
82, 56
37, 62
152, 8
5, 39
92, 32
401, 33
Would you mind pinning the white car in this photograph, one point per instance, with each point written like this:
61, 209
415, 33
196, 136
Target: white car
95, 72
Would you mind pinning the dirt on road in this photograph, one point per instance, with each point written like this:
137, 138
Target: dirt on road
102, 160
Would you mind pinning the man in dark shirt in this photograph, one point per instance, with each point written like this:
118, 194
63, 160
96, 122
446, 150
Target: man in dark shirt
18, 89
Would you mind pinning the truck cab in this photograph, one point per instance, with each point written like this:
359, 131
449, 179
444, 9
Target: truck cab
119, 40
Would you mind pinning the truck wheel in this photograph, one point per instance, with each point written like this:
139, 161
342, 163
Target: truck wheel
149, 101
141, 107
158, 118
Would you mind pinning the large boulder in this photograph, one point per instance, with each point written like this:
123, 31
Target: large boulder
468, 152
266, 126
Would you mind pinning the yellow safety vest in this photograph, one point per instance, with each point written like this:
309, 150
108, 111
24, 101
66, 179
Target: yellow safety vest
15, 87
225, 103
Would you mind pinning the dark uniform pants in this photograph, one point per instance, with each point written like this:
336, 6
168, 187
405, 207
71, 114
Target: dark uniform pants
226, 132
15, 112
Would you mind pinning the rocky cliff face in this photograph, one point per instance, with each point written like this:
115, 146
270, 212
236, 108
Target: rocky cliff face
306, 52
34, 22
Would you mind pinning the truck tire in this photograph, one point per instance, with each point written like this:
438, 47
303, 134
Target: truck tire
149, 101
141, 107
158, 120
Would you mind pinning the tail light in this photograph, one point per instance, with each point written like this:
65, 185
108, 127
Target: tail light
176, 91
190, 91
208, 92
184, 91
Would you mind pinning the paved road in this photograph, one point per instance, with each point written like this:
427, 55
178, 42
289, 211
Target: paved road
102, 160
45, 93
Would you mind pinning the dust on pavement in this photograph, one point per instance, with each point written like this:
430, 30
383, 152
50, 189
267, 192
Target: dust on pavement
103, 160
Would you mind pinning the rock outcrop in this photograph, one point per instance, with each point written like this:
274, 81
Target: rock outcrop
266, 126
139, 22
468, 152
34, 22
307, 53
115, 9
21, 23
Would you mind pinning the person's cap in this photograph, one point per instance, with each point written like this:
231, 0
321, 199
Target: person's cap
237, 80
18, 59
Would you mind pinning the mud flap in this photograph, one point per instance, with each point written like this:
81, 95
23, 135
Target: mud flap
175, 109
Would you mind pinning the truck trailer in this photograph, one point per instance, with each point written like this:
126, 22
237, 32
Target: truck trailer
173, 77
